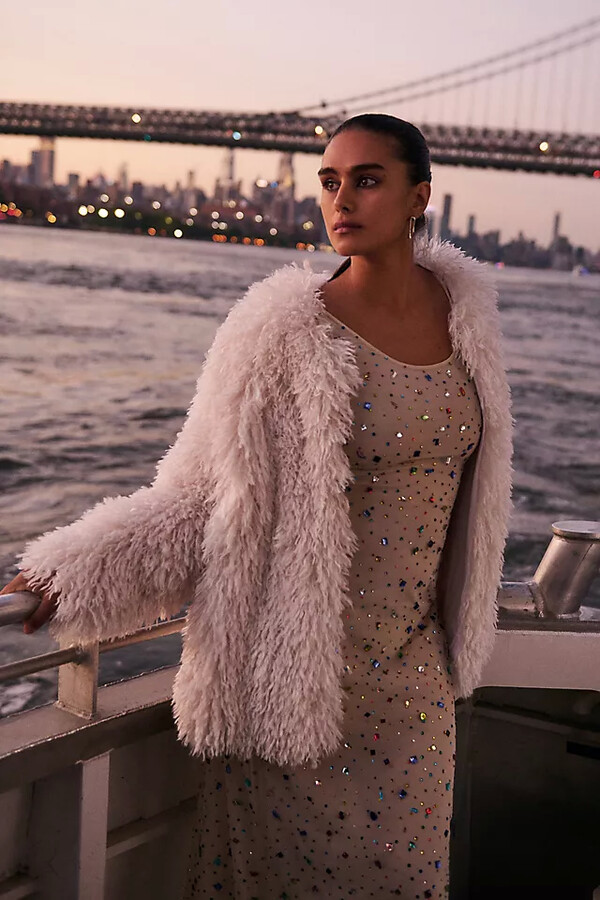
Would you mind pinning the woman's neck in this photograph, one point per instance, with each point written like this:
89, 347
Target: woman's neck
385, 282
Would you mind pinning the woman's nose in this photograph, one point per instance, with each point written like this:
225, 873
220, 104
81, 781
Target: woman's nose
342, 202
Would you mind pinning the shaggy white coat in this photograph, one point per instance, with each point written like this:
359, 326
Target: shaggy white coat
247, 520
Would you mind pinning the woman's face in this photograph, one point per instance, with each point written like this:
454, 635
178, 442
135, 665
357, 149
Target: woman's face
363, 182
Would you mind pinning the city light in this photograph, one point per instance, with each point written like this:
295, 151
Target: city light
272, 195
10, 210
136, 118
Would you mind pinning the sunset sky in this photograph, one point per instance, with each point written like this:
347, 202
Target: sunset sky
239, 56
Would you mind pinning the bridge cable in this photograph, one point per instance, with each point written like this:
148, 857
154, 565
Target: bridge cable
489, 75
533, 96
589, 23
567, 94
585, 83
519, 92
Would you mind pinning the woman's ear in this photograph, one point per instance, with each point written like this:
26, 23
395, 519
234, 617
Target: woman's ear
422, 193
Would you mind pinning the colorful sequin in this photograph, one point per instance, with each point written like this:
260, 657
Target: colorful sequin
374, 818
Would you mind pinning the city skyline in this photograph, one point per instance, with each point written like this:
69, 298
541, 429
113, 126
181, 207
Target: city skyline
270, 212
466, 203
230, 57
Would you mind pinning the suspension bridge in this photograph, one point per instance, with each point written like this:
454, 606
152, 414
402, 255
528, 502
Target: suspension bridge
535, 108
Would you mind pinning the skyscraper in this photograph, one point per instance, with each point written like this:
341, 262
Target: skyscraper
447, 212
286, 190
42, 163
556, 230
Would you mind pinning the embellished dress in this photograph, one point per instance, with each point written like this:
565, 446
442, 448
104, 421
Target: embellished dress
373, 819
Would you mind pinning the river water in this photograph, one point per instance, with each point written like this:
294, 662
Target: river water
101, 341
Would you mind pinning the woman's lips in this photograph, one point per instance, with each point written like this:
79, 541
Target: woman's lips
343, 229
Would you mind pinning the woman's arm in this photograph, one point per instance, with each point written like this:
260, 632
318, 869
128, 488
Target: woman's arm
126, 562
129, 560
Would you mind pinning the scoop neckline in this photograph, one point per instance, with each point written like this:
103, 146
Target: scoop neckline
398, 362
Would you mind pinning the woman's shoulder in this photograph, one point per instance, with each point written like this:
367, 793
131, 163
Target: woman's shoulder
467, 278
291, 278
277, 302
259, 320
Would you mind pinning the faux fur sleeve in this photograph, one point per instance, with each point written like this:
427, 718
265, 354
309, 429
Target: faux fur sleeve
128, 560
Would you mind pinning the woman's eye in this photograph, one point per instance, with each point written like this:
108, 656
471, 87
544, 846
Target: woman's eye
329, 181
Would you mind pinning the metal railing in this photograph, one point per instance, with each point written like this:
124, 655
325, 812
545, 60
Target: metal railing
79, 664
551, 600
561, 581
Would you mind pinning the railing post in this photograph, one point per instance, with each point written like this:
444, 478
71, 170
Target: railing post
67, 831
569, 565
78, 683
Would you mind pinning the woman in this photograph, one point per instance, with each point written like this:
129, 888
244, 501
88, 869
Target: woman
335, 509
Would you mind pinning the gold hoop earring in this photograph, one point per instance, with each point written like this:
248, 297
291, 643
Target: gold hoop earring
411, 227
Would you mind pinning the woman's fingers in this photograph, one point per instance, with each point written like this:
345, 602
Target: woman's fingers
19, 583
44, 611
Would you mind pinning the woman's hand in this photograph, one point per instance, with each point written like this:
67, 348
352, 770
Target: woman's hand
45, 610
